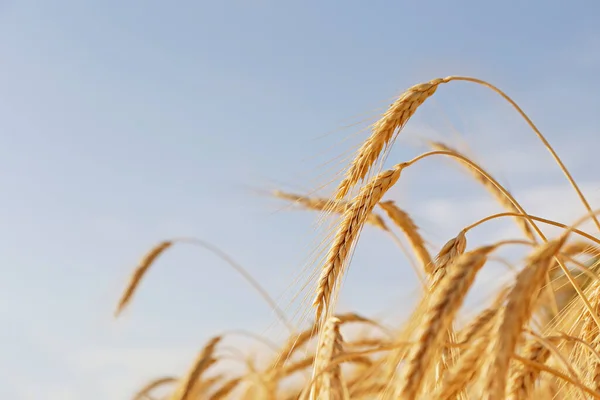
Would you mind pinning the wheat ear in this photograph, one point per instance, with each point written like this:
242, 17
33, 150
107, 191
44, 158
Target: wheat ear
203, 362
139, 272
328, 383
464, 371
446, 299
522, 380
384, 132
327, 206
410, 230
449, 252
516, 313
592, 336
225, 389
348, 231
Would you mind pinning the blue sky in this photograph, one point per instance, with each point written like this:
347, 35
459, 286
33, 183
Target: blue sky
124, 123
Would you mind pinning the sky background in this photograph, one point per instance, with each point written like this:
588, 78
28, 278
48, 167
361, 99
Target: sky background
125, 123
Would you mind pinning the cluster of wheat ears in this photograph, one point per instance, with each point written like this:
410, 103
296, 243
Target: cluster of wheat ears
538, 338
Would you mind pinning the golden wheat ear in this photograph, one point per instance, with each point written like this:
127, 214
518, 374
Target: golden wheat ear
139, 273
445, 300
517, 312
410, 230
384, 132
347, 233
204, 361
492, 189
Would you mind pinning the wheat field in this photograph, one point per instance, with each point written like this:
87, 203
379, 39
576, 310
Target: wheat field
537, 337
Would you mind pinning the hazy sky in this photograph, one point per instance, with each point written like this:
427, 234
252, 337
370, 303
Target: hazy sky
124, 123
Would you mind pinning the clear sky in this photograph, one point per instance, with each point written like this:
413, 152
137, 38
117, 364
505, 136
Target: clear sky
124, 123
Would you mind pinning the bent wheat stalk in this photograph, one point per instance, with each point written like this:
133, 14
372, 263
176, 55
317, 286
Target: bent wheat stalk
386, 129
487, 184
156, 251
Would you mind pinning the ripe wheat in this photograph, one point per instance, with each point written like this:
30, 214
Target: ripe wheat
538, 339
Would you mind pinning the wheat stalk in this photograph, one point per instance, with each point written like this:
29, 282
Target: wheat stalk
490, 187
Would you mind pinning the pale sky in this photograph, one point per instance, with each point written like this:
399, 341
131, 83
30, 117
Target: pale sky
124, 123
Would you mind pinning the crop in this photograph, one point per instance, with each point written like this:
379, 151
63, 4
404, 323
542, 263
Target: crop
538, 338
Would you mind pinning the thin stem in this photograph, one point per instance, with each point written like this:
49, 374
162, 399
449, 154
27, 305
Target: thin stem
482, 172
533, 217
550, 346
505, 192
253, 282
537, 132
565, 270
515, 241
558, 374
582, 342
584, 270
